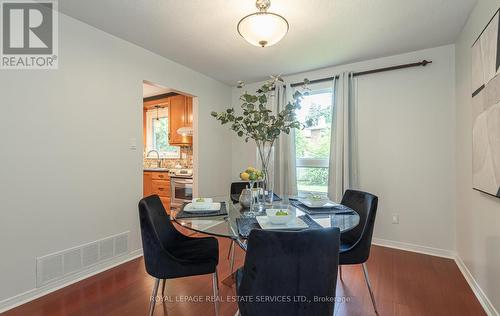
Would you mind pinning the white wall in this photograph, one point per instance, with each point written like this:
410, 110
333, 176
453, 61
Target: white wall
406, 144
478, 215
67, 176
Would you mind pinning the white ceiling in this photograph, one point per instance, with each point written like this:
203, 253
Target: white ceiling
202, 34
150, 90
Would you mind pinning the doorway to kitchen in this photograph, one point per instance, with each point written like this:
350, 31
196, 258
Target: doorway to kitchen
168, 133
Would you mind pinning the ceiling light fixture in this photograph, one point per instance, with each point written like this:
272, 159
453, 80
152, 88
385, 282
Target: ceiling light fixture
263, 28
157, 107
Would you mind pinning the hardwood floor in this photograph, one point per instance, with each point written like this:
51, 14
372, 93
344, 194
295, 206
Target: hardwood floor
404, 283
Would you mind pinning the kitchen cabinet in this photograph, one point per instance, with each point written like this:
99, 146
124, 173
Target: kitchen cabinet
147, 184
189, 110
155, 182
180, 114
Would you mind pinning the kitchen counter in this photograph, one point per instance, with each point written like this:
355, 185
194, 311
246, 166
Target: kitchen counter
156, 169
170, 172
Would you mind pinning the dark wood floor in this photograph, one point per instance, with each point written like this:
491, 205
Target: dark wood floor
404, 283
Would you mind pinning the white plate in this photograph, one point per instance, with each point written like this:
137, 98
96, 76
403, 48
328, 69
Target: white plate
296, 223
308, 203
189, 208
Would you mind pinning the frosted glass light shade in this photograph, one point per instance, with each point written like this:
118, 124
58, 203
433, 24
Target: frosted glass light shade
263, 28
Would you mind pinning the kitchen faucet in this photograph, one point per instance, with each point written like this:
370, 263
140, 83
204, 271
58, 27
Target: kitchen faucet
157, 155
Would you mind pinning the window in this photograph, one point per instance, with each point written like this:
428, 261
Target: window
312, 144
157, 134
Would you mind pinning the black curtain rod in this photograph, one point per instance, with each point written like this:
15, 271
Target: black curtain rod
423, 63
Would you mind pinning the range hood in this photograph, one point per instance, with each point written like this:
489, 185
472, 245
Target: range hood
185, 131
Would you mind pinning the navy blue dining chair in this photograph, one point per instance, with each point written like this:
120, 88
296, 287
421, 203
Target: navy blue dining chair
235, 190
355, 244
168, 254
296, 267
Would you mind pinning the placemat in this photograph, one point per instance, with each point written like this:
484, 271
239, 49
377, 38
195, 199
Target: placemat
246, 224
181, 214
338, 209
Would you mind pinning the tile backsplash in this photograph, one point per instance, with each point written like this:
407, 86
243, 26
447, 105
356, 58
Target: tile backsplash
170, 163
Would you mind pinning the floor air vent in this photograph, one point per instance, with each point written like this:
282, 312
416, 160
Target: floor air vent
57, 265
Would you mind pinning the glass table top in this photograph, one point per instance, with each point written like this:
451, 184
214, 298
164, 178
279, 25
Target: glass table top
225, 226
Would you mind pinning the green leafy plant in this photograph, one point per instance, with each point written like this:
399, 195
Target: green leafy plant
260, 123
257, 121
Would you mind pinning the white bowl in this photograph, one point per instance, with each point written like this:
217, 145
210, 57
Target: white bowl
279, 219
202, 203
315, 202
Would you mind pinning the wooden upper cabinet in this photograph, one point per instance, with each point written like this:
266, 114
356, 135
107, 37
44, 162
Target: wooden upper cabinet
180, 114
189, 111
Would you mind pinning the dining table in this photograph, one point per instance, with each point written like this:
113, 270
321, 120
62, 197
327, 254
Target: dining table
226, 225
229, 224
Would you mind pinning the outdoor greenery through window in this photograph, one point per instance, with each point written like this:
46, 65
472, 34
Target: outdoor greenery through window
157, 134
313, 143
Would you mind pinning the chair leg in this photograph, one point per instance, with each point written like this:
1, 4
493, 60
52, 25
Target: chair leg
153, 297
231, 249
232, 257
367, 279
217, 280
163, 288
215, 284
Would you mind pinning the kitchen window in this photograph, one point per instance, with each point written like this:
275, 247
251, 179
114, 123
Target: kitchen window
312, 144
157, 134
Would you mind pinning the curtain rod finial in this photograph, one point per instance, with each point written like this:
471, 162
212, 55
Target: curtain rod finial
425, 62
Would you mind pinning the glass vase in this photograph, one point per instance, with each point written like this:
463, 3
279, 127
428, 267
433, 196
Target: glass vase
266, 157
253, 209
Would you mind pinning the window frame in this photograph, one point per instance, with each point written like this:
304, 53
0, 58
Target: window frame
150, 116
312, 162
316, 162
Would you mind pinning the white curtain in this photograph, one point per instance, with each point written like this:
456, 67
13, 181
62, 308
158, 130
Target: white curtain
343, 168
285, 173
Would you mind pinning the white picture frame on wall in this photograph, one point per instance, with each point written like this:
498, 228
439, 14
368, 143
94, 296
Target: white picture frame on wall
485, 80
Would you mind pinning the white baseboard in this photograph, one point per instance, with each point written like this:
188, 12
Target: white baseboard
35, 293
438, 252
483, 299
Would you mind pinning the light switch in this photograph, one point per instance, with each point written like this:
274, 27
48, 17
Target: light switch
133, 144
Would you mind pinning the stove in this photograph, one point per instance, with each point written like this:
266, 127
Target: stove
181, 187
187, 173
